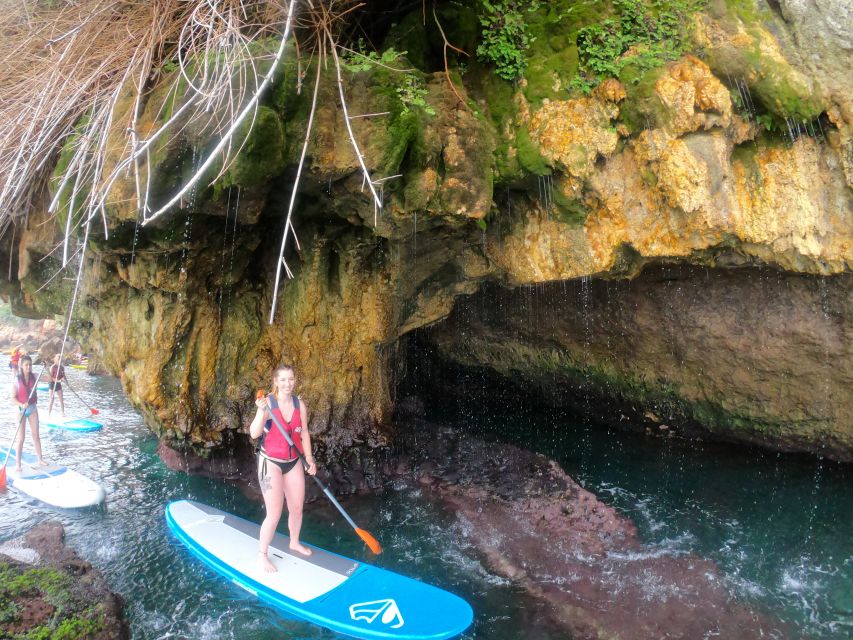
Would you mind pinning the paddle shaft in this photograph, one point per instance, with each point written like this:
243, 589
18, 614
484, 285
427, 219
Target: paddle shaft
86, 404
23, 417
305, 463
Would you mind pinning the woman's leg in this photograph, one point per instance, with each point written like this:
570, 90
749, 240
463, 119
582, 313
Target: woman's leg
61, 401
34, 429
270, 479
294, 493
50, 400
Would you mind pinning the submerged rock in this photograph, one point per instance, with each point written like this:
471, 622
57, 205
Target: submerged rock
48, 591
579, 559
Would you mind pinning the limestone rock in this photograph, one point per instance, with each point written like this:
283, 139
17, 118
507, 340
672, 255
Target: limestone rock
574, 133
694, 97
518, 190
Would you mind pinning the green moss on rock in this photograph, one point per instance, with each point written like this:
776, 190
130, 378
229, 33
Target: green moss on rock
69, 618
642, 108
553, 58
261, 152
569, 210
529, 155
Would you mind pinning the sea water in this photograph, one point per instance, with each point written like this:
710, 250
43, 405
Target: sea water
779, 527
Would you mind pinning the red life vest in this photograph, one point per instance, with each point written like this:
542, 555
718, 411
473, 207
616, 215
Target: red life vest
23, 389
274, 444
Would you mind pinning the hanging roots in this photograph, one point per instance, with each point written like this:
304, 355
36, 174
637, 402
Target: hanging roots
77, 75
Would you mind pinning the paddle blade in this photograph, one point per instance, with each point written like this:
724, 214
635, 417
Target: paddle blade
3, 478
259, 394
94, 411
370, 541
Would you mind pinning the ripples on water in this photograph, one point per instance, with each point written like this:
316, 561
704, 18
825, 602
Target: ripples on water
779, 528
169, 594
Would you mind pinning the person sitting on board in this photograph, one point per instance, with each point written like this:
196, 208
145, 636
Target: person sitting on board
25, 397
280, 472
17, 352
57, 374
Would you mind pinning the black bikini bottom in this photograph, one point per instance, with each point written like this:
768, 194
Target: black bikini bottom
284, 465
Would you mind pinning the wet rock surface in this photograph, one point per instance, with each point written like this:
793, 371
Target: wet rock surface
537, 184
580, 561
744, 354
48, 591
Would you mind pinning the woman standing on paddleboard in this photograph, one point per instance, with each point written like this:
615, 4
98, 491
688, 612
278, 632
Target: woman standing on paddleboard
57, 374
26, 397
280, 471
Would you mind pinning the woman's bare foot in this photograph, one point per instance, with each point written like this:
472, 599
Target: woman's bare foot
300, 548
264, 563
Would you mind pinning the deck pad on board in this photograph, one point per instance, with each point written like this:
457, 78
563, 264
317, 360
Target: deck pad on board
338, 593
53, 484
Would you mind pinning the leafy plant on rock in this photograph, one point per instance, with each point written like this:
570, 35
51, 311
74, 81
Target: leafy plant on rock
643, 35
505, 35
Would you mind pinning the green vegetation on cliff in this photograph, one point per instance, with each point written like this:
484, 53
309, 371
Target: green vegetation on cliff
48, 592
641, 35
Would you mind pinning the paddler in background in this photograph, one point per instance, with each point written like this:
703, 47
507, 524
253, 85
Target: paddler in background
25, 397
17, 352
57, 375
280, 471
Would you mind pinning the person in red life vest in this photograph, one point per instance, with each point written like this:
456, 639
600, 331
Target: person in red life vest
16, 357
280, 472
57, 374
25, 397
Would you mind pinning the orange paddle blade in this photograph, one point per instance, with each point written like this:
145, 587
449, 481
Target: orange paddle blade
370, 541
259, 394
3, 478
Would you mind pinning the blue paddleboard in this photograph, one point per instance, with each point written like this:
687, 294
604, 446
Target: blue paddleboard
42, 387
326, 589
56, 485
56, 421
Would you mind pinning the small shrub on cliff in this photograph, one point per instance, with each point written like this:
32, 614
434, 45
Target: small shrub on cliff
411, 90
642, 35
505, 35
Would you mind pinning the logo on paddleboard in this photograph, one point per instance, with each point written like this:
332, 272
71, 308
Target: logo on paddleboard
369, 611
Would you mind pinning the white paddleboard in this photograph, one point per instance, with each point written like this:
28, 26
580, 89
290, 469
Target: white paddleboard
55, 485
344, 595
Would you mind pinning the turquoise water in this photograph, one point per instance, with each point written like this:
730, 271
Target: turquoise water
169, 594
779, 527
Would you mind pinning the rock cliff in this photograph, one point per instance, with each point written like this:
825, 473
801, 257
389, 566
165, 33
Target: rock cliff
688, 218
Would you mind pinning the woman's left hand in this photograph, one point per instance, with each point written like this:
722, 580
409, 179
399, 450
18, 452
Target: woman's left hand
312, 468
